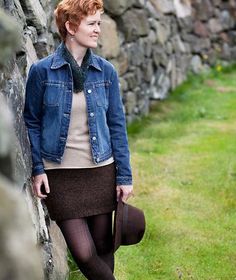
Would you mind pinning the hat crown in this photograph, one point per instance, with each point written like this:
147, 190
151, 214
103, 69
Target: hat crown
129, 225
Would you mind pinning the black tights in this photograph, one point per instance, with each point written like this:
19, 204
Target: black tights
90, 243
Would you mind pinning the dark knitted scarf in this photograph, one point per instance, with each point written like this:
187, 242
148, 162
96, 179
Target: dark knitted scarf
79, 73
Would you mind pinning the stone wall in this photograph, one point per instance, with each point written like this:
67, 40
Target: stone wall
32, 246
152, 43
155, 43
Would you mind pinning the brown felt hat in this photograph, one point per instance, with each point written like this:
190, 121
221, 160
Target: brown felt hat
129, 225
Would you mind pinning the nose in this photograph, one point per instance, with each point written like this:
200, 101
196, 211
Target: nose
97, 28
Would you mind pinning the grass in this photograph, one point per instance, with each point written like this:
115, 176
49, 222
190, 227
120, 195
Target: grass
184, 166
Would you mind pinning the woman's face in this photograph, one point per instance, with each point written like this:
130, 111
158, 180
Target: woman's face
88, 31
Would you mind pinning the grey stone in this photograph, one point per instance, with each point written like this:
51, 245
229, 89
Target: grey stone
200, 29
109, 48
152, 37
147, 68
197, 44
19, 256
226, 52
162, 85
163, 31
196, 64
117, 7
139, 3
215, 25
226, 20
182, 8
146, 46
131, 80
135, 54
6, 140
59, 253
178, 44
31, 32
130, 104
199, 12
35, 14
10, 39
159, 56
18, 14
152, 11
134, 24
186, 24
123, 62
123, 84
165, 7
44, 45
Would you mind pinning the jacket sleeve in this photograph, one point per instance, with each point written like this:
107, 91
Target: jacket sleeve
32, 116
118, 133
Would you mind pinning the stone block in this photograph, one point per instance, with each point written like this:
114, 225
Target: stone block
117, 7
163, 31
196, 64
109, 48
10, 37
123, 62
200, 29
182, 8
35, 15
130, 102
165, 7
215, 25
134, 23
20, 257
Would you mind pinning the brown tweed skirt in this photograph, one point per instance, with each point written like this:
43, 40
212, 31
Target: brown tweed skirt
76, 193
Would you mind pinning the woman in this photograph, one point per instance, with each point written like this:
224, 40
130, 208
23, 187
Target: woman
76, 125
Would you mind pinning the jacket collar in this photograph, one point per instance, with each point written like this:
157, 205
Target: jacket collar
58, 61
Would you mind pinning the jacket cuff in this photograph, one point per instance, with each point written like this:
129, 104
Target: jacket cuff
37, 170
123, 180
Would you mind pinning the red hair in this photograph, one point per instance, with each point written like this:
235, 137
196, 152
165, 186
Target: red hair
74, 11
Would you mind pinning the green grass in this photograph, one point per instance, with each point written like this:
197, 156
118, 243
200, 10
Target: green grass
184, 166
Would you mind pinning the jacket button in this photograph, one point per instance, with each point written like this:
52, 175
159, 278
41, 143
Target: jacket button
94, 138
91, 114
89, 90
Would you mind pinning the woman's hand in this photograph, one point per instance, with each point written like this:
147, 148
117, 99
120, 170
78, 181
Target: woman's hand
124, 192
40, 181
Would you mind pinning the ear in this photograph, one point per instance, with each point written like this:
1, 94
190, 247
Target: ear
70, 29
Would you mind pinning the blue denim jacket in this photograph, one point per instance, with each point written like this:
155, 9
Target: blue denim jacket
49, 92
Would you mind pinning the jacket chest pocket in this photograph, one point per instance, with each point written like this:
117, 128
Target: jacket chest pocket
53, 94
101, 94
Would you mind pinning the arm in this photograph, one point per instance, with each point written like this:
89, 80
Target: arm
32, 117
119, 140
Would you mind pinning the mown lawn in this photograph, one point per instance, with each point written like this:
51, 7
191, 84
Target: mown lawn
184, 165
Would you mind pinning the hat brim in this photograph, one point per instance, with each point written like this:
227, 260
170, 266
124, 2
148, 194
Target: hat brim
129, 225
118, 222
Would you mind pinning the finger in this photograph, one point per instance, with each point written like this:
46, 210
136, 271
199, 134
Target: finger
47, 189
38, 190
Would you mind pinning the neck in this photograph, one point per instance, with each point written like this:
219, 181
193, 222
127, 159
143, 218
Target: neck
77, 51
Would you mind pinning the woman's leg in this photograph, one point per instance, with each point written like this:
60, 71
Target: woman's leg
83, 250
100, 227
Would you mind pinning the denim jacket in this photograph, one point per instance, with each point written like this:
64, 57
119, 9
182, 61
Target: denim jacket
49, 93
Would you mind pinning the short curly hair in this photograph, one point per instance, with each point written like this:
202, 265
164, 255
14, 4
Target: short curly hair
74, 11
